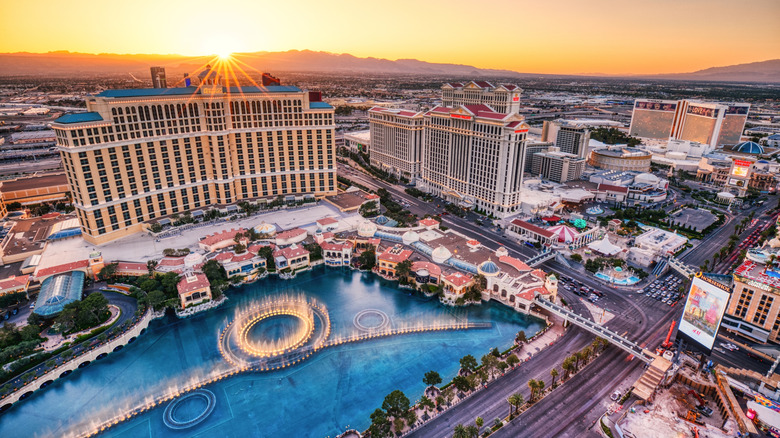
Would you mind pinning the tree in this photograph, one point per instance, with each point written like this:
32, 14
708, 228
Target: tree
461, 383
108, 271
512, 400
156, 299
489, 363
367, 259
369, 209
380, 425
479, 422
399, 424
472, 431
151, 265
396, 404
432, 378
460, 431
520, 338
426, 403
512, 360
468, 363
576, 257
554, 375
403, 269
532, 385
217, 276
268, 253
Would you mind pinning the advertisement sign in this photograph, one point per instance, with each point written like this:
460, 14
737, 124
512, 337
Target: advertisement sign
740, 168
702, 111
656, 106
704, 309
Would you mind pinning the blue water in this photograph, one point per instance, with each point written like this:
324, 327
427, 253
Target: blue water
334, 389
623, 281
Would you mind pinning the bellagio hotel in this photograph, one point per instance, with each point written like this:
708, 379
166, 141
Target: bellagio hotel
143, 154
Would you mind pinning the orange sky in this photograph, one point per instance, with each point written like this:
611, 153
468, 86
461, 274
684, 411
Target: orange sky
556, 36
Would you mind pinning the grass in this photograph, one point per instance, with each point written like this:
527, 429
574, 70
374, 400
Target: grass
607, 431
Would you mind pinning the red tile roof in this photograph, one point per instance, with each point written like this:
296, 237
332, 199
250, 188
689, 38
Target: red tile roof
224, 256
509, 87
515, 263
491, 115
192, 282
221, 236
433, 269
475, 109
293, 232
458, 279
14, 282
428, 222
483, 84
243, 257
539, 274
533, 228
335, 246
256, 247
441, 109
513, 124
527, 295
131, 267
291, 252
611, 188
396, 256
171, 261
59, 269
327, 221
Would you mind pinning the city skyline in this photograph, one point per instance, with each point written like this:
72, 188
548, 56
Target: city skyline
571, 39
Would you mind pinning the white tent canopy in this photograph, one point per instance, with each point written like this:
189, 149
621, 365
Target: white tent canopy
604, 246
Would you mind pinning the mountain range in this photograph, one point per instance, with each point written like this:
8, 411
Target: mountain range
63, 63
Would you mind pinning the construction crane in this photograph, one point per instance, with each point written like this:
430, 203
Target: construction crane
668, 343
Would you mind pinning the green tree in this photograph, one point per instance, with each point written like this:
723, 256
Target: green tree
489, 363
396, 404
460, 431
520, 337
403, 269
268, 253
426, 403
156, 299
432, 378
576, 257
461, 383
218, 279
512, 360
399, 424
554, 375
512, 400
533, 385
479, 422
468, 363
367, 259
380, 425
150, 266
108, 271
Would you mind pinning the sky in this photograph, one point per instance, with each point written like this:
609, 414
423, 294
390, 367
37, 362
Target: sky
555, 37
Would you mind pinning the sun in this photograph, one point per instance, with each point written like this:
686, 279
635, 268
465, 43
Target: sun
224, 55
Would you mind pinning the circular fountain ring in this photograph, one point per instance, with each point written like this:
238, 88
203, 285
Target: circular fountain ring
239, 347
384, 320
169, 415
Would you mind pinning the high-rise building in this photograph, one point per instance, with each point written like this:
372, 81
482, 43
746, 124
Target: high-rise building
707, 123
474, 156
501, 98
532, 148
396, 141
158, 77
143, 154
558, 166
569, 136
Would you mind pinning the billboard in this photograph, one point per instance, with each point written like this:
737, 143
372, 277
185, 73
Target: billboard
741, 168
704, 309
655, 106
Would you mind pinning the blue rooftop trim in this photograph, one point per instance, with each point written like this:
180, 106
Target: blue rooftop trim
319, 105
268, 89
80, 118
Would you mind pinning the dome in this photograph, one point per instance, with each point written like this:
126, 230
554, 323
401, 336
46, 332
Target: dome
366, 229
267, 229
410, 237
193, 259
762, 161
488, 268
502, 251
441, 254
749, 147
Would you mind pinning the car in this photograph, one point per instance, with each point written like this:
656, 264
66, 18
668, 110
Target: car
32, 305
755, 356
706, 411
616, 396
598, 293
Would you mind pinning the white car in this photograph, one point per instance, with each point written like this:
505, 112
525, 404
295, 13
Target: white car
615, 396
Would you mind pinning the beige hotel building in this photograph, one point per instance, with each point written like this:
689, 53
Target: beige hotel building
142, 154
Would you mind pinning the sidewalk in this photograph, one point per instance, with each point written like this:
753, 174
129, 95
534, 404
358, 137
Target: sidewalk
546, 339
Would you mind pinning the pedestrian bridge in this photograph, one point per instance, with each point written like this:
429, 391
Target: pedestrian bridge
541, 258
681, 267
598, 330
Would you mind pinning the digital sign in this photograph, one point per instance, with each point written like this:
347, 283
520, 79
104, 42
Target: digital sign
704, 309
737, 110
702, 111
741, 168
656, 106
460, 116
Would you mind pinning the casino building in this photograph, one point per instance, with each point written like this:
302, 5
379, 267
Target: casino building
474, 157
504, 98
715, 124
142, 154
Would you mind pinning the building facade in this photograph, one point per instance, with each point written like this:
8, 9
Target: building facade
620, 158
502, 98
715, 124
474, 157
754, 307
569, 137
396, 141
141, 154
558, 166
158, 77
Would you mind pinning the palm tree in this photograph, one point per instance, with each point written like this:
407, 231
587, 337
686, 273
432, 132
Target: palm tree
460, 432
554, 375
520, 401
568, 367
472, 431
532, 385
512, 400
479, 422
540, 386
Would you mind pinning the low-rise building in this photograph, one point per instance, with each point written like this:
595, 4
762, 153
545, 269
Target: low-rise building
456, 284
36, 189
241, 264
660, 242
531, 232
14, 284
57, 291
358, 141
388, 260
620, 158
291, 236
292, 257
129, 269
193, 288
222, 239
337, 253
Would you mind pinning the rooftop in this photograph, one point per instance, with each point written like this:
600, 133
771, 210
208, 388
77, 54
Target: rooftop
756, 271
57, 291
35, 182
192, 282
184, 91
79, 118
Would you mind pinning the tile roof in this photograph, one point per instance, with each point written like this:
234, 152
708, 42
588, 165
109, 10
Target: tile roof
533, 228
131, 267
335, 246
515, 263
192, 282
171, 261
293, 232
327, 221
291, 252
14, 281
395, 256
59, 269
221, 236
610, 188
428, 222
433, 269
458, 279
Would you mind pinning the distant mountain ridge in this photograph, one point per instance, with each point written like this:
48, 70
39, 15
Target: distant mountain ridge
63, 63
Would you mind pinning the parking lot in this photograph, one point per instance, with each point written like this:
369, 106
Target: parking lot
665, 290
